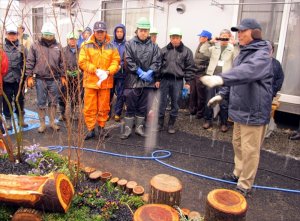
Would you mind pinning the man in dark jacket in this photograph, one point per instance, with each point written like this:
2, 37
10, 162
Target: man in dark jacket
119, 78
72, 93
142, 62
198, 93
16, 53
250, 85
44, 68
177, 64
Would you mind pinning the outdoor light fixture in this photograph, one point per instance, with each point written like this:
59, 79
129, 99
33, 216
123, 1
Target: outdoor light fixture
180, 8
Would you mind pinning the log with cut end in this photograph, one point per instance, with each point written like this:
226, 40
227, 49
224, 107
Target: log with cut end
138, 190
26, 214
53, 192
96, 175
194, 215
88, 170
155, 212
130, 185
223, 204
165, 189
114, 181
106, 176
122, 184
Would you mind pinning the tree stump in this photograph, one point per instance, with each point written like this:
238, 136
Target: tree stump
130, 185
25, 214
96, 175
223, 204
88, 170
114, 181
53, 192
106, 176
138, 190
122, 184
165, 189
155, 212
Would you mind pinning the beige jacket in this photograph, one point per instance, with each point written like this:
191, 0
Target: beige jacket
227, 57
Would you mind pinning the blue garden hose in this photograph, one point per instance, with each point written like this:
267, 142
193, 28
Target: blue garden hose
165, 155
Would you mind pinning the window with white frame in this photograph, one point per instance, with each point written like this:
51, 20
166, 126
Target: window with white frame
111, 14
37, 22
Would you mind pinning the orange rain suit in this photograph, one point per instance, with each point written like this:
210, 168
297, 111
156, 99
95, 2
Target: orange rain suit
97, 100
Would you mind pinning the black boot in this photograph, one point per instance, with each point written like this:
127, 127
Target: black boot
160, 123
127, 128
103, 133
139, 126
1, 127
8, 123
90, 134
171, 125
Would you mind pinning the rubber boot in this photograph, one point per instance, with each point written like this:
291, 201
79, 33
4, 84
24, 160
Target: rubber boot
42, 113
160, 123
21, 121
128, 127
90, 134
8, 123
139, 126
52, 112
171, 123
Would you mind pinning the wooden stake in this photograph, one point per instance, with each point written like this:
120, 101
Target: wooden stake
122, 184
223, 204
106, 176
155, 212
88, 170
165, 189
114, 181
138, 190
130, 185
96, 175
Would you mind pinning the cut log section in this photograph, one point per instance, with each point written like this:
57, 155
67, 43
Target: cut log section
194, 215
223, 204
122, 184
138, 190
53, 192
155, 212
89, 170
130, 185
26, 214
106, 176
165, 189
185, 212
114, 181
96, 175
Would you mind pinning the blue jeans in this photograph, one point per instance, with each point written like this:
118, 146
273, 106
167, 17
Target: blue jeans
47, 92
171, 87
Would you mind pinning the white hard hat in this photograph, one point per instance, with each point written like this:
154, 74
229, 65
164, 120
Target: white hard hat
11, 29
48, 29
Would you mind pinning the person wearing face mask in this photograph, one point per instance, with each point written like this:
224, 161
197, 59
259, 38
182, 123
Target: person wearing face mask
99, 59
221, 57
142, 64
177, 64
16, 53
45, 71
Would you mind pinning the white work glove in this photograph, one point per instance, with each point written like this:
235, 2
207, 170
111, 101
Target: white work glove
214, 101
102, 75
212, 81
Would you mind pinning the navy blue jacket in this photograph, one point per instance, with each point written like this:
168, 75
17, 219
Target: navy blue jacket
250, 84
120, 45
278, 76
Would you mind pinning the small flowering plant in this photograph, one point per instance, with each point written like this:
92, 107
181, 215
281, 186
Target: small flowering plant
42, 164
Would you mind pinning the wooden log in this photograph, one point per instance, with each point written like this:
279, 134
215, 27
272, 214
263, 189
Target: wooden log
106, 176
165, 189
114, 181
122, 184
96, 175
26, 214
138, 190
88, 170
155, 212
53, 192
130, 185
223, 204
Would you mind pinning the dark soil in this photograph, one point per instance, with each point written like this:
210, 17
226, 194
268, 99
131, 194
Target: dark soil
7, 167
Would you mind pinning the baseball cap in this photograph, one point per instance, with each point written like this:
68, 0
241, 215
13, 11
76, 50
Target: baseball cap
206, 34
247, 23
100, 26
11, 29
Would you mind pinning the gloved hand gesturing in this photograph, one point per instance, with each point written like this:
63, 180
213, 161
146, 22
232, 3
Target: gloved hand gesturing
214, 101
102, 75
212, 81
